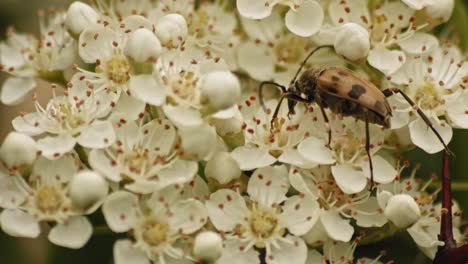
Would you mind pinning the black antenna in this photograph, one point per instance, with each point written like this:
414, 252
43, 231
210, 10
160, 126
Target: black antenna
306, 59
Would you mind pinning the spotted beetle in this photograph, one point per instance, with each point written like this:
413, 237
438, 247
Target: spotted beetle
343, 92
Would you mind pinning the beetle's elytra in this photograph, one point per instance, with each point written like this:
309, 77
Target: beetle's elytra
344, 92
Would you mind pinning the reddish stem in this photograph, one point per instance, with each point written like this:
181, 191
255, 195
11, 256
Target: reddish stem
449, 252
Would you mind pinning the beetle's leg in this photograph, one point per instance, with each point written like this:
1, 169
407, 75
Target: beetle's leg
289, 96
260, 94
391, 91
327, 125
371, 167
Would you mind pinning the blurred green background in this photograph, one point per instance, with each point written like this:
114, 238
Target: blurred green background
400, 248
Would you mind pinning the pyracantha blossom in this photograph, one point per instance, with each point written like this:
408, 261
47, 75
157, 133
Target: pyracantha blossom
44, 197
159, 225
339, 253
347, 155
434, 81
388, 26
69, 119
304, 17
27, 58
262, 219
337, 206
144, 157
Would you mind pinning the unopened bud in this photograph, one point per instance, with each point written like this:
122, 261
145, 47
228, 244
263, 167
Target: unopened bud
223, 168
18, 150
352, 41
88, 189
208, 246
402, 210
80, 16
142, 45
171, 29
221, 89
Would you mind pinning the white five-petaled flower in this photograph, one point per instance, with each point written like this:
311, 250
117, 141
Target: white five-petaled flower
69, 119
144, 156
158, 224
26, 58
44, 196
262, 219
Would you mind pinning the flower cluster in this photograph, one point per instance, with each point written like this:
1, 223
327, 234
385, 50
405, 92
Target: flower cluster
155, 119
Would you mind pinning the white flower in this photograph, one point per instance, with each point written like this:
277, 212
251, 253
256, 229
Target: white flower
208, 246
171, 29
338, 253
80, 16
435, 84
26, 58
304, 17
18, 150
44, 197
319, 183
158, 225
262, 220
402, 210
72, 118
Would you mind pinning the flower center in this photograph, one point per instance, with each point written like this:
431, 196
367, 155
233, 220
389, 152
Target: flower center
291, 49
347, 145
427, 96
118, 69
49, 199
263, 223
183, 86
199, 24
154, 232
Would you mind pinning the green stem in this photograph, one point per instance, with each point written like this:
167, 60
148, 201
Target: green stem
456, 186
82, 155
379, 234
102, 230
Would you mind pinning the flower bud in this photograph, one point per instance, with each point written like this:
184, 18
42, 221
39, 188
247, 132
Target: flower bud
171, 29
17, 150
142, 45
440, 9
220, 89
208, 246
352, 41
80, 16
402, 210
88, 189
223, 168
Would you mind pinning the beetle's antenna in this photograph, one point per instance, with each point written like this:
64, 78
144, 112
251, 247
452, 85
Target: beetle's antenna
306, 59
260, 93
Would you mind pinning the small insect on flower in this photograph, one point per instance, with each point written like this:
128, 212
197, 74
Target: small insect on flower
343, 92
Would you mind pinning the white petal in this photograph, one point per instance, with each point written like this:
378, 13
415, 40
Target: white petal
145, 88
386, 61
256, 60
384, 172
55, 171
183, 116
181, 171
316, 234
100, 134
95, 43
458, 111
100, 162
269, 185
293, 157
423, 137
26, 124
336, 227
54, 147
128, 106
189, 216
306, 20
15, 90
339, 14
415, 4
418, 43
264, 30
300, 213
250, 158
314, 149
383, 197
233, 253
73, 234
18, 223
368, 214
119, 209
125, 252
349, 179
253, 9
226, 209
293, 252
12, 194
314, 257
